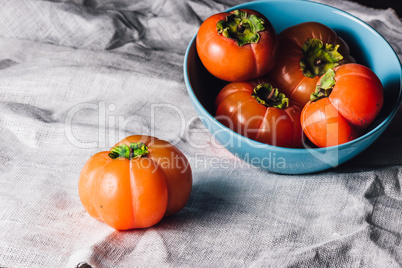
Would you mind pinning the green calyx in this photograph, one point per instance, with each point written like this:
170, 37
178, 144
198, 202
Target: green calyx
318, 57
324, 86
241, 27
268, 96
135, 150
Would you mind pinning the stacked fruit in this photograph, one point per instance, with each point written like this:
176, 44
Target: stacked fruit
284, 88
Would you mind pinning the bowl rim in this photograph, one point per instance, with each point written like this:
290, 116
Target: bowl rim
366, 135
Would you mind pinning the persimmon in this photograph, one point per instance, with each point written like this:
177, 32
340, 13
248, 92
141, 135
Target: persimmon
134, 185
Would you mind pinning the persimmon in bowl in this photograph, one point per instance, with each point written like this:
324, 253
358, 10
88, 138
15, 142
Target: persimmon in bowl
367, 47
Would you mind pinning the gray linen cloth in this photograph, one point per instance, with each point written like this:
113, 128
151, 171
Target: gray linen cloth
76, 76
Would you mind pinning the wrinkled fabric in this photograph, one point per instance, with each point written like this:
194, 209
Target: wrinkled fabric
76, 76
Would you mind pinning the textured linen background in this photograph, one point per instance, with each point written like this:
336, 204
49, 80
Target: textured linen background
75, 76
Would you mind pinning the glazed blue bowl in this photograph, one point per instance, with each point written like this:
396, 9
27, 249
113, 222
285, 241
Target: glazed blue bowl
368, 48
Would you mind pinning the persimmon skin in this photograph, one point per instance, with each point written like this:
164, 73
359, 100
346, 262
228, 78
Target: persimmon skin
228, 61
324, 126
239, 111
136, 193
287, 74
354, 103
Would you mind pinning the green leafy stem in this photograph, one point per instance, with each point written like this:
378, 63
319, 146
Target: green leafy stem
269, 96
318, 57
241, 27
135, 150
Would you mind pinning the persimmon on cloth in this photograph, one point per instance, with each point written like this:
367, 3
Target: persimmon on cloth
135, 184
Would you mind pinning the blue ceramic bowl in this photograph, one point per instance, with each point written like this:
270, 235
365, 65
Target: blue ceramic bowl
367, 46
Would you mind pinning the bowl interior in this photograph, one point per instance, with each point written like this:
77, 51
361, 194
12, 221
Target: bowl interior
367, 47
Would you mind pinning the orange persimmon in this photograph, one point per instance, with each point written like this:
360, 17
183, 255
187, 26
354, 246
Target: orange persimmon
135, 184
